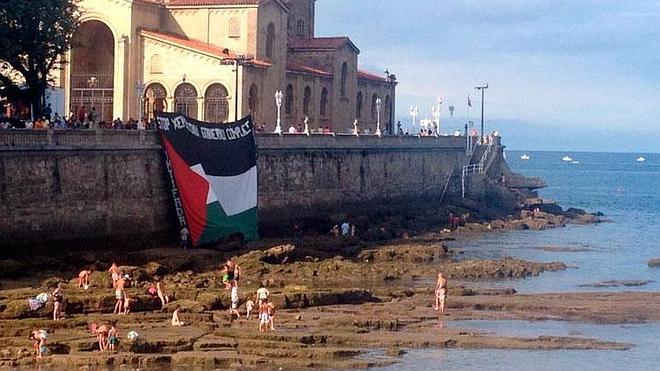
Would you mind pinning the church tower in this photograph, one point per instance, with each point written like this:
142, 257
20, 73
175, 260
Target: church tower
301, 19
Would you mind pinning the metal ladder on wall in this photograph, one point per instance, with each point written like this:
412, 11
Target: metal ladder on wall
479, 168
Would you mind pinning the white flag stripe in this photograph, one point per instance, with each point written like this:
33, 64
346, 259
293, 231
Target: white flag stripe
236, 194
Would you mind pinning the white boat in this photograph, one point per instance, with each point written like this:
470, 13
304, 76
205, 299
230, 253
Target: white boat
641, 159
524, 157
567, 159
575, 162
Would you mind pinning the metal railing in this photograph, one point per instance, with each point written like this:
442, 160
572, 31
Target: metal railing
479, 168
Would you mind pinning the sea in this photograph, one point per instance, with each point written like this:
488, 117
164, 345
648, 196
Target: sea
627, 192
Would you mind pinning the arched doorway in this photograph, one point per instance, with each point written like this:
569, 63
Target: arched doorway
185, 100
155, 100
92, 70
215, 104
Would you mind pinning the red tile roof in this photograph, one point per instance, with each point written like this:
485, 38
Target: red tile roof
213, 2
295, 66
322, 43
199, 46
364, 75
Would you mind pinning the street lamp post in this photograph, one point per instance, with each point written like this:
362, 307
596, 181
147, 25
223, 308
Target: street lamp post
278, 101
378, 106
391, 79
483, 89
139, 90
414, 111
436, 114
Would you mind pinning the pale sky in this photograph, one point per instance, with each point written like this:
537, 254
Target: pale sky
581, 72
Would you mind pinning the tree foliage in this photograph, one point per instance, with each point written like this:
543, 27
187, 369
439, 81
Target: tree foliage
34, 37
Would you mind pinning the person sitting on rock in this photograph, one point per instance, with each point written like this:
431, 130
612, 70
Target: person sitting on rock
83, 279
175, 318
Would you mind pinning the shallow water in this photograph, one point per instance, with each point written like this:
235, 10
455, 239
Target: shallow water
645, 355
628, 193
625, 190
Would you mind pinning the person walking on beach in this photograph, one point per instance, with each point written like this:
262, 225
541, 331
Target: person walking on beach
262, 296
233, 290
440, 293
113, 339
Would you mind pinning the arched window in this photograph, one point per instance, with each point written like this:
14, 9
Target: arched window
288, 100
185, 100
373, 107
306, 100
358, 105
215, 104
324, 102
300, 27
156, 64
270, 40
234, 27
253, 100
344, 76
155, 100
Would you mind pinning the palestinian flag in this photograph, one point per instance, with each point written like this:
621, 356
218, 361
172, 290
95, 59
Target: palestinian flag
214, 167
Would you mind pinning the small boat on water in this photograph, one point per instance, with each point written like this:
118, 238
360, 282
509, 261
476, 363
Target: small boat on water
567, 159
641, 159
575, 162
524, 157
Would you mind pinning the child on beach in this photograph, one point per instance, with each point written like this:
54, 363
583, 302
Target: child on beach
233, 290
114, 273
264, 318
113, 339
127, 303
249, 306
270, 309
262, 296
440, 293
39, 337
57, 302
83, 279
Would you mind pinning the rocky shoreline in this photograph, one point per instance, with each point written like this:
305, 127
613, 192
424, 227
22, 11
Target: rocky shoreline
338, 300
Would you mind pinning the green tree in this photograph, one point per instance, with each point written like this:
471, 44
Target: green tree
34, 36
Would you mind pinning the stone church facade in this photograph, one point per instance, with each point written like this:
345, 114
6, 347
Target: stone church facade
216, 60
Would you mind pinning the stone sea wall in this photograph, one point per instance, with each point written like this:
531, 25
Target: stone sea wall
57, 186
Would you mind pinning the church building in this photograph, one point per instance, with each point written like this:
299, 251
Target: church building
218, 60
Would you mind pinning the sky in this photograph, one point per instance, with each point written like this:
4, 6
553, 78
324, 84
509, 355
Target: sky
563, 75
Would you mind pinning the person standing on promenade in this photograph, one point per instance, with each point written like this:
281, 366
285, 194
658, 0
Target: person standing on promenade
440, 293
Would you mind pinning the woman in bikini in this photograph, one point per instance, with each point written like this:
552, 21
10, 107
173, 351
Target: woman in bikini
57, 302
